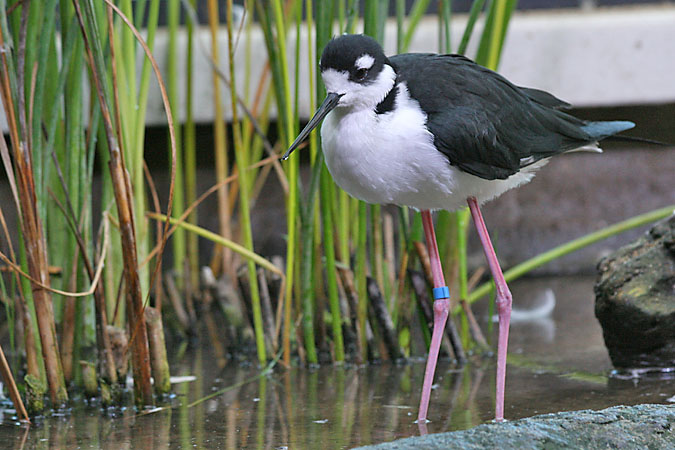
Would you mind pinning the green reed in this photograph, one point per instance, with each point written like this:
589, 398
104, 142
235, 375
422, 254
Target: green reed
73, 92
242, 161
179, 240
190, 151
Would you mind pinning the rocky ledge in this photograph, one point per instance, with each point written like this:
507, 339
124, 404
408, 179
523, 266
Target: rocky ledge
635, 300
627, 427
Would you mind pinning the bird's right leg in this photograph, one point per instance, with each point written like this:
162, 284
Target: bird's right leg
441, 309
503, 302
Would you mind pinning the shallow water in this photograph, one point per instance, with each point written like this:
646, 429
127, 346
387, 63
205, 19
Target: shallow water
557, 363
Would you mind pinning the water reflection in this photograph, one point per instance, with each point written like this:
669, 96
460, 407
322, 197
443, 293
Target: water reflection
342, 407
537, 317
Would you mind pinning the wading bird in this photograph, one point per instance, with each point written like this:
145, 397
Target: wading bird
436, 132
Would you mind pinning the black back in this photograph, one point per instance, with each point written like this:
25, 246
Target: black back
484, 124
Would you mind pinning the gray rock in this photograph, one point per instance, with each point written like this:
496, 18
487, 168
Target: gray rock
626, 427
635, 300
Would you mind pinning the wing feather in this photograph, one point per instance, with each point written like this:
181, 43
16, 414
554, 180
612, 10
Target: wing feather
484, 124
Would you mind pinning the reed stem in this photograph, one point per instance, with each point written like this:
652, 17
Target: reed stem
190, 143
178, 242
220, 147
244, 192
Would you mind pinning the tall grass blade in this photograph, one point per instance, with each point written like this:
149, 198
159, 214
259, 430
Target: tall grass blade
323, 34
190, 149
218, 239
244, 208
492, 39
220, 146
331, 269
445, 18
277, 54
476, 8
179, 244
418, 10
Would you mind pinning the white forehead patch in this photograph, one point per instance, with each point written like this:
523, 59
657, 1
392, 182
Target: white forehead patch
336, 80
365, 62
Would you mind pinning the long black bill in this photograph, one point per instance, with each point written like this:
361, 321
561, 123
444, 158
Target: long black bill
327, 106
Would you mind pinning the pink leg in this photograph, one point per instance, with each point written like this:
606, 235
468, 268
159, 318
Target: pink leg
503, 304
441, 309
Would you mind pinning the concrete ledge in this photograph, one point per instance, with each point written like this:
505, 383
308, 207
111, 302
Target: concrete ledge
605, 57
601, 57
642, 426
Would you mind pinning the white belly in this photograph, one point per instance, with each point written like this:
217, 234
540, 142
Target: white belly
390, 158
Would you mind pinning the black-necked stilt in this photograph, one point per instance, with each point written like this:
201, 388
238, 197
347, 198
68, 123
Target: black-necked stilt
433, 132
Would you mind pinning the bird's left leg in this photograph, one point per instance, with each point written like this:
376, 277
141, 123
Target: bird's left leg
441, 309
503, 304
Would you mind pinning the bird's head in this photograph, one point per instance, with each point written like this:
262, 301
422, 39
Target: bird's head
357, 76
354, 66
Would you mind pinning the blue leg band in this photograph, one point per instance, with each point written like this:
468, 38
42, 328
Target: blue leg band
441, 293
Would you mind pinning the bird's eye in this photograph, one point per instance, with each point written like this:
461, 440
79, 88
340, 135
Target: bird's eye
361, 74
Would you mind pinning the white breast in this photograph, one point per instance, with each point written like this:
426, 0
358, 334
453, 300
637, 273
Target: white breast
391, 158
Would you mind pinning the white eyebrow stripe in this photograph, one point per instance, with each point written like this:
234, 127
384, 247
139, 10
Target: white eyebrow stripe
365, 62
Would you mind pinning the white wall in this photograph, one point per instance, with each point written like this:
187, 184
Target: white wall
601, 57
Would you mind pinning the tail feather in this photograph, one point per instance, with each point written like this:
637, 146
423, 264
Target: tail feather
640, 140
601, 130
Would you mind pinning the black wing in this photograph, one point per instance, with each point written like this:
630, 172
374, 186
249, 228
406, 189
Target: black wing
484, 124
544, 98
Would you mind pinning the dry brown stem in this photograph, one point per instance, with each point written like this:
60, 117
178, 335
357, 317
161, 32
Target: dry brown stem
31, 226
122, 190
158, 359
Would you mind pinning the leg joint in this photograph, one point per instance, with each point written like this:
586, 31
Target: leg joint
504, 297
